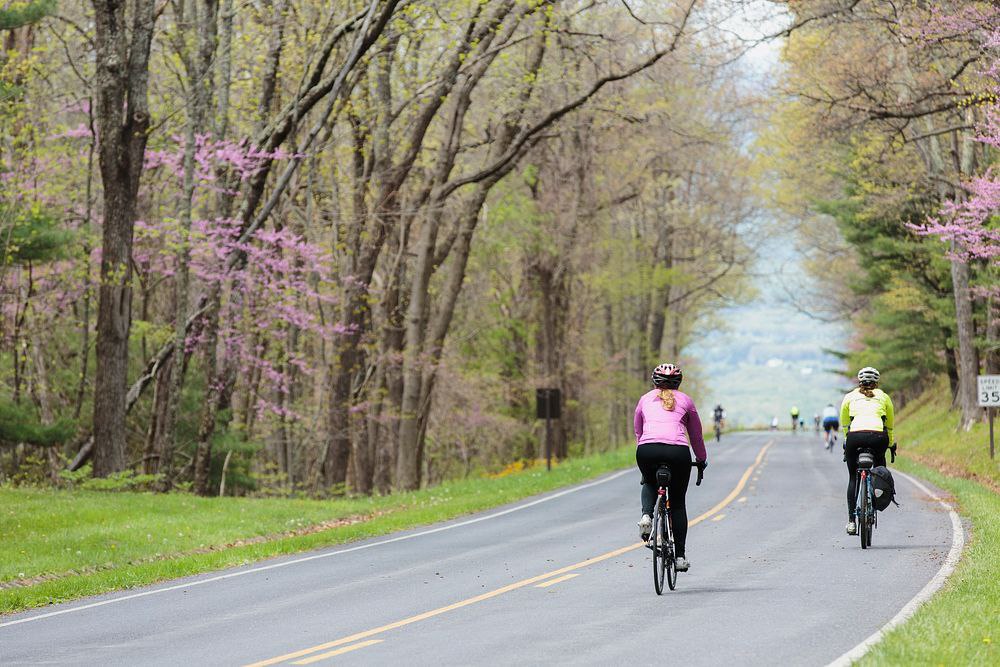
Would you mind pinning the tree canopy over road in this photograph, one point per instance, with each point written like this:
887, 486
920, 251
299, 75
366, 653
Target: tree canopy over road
291, 246
883, 145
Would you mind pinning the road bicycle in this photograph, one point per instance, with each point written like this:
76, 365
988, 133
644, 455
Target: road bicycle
864, 508
718, 431
661, 540
831, 440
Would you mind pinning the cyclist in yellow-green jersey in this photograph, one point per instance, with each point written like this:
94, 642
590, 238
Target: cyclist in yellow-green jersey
867, 416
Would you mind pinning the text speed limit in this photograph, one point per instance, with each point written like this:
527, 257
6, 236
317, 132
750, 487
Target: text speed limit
989, 390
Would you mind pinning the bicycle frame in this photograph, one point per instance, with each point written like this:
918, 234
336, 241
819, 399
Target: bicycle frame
862, 487
663, 499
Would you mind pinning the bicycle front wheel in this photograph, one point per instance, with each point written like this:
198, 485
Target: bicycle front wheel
659, 550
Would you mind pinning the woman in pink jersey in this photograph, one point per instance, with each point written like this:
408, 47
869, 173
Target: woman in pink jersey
667, 428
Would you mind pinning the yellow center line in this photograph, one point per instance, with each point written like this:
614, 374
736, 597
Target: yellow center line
339, 651
720, 517
365, 634
550, 582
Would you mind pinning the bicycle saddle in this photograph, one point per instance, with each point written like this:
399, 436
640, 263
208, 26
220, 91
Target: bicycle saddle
866, 460
663, 476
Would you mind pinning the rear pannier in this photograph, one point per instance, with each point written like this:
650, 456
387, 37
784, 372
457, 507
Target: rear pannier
885, 489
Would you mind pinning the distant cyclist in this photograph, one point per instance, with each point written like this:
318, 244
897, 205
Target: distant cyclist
867, 416
718, 420
816, 422
831, 424
666, 422
795, 418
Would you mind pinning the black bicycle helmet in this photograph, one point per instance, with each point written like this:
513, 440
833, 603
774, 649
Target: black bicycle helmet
667, 376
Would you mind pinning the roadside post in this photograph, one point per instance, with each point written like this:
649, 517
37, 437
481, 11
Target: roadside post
548, 403
989, 398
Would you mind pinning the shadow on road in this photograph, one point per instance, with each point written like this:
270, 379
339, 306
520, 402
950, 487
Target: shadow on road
702, 591
894, 547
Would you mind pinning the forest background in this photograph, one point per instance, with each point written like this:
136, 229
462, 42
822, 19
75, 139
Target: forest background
291, 248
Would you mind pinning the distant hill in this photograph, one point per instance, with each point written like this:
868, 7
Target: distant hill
767, 359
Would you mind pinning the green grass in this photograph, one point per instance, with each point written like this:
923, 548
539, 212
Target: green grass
927, 429
79, 543
961, 624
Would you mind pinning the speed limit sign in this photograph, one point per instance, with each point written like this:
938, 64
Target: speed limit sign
989, 390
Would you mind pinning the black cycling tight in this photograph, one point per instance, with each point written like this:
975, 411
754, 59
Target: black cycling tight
649, 457
877, 442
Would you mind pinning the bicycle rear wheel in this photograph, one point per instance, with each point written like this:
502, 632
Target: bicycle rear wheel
870, 524
864, 525
659, 538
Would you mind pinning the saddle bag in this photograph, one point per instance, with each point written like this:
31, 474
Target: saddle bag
884, 487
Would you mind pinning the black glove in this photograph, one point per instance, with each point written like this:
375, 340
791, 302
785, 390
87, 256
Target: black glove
893, 450
702, 464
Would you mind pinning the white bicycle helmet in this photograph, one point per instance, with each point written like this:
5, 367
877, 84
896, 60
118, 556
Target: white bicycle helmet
868, 375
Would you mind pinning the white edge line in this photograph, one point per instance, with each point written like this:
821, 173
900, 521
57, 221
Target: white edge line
304, 559
957, 544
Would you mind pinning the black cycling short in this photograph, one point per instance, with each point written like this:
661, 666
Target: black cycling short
831, 425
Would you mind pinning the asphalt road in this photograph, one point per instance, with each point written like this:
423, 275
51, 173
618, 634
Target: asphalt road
556, 579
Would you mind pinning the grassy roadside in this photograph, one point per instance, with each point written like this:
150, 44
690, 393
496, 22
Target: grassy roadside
927, 433
62, 545
959, 625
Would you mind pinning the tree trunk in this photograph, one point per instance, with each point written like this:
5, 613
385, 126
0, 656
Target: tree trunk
993, 336
43, 399
123, 125
153, 454
198, 104
408, 457
951, 367
218, 382
968, 353
341, 396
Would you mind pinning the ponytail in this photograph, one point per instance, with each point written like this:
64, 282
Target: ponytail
668, 399
868, 389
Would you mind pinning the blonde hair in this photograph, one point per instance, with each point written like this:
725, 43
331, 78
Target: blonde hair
868, 391
668, 399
